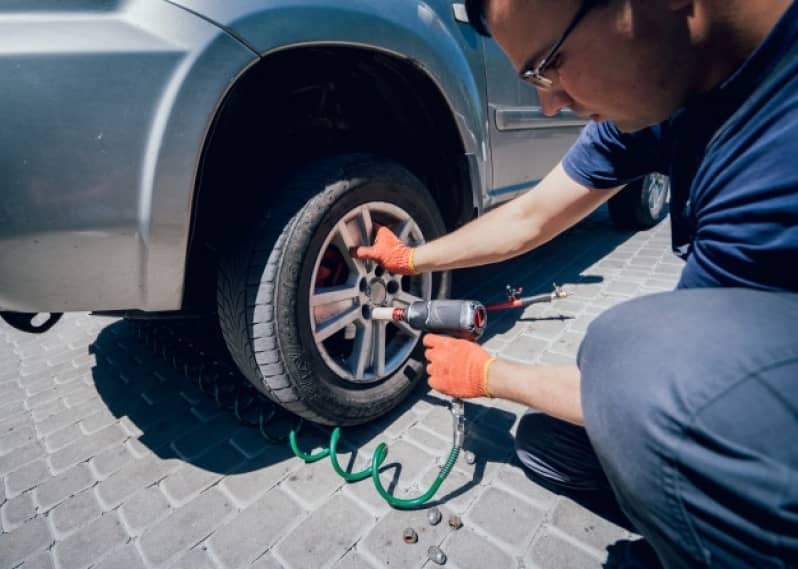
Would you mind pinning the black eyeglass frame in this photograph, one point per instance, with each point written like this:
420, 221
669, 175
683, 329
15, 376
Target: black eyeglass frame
535, 76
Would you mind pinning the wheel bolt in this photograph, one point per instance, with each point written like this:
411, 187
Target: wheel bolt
455, 522
434, 516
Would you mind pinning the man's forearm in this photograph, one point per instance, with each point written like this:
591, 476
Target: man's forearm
554, 390
514, 228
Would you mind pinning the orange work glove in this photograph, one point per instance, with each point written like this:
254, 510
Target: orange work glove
389, 252
457, 367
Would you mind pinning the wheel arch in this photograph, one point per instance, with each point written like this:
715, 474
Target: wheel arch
304, 102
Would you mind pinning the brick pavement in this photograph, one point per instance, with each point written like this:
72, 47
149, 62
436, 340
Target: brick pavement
110, 459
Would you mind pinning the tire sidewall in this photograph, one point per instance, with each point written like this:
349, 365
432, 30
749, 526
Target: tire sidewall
316, 384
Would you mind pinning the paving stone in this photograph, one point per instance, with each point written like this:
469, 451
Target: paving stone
43, 412
580, 523
68, 416
89, 543
353, 560
19, 457
197, 558
125, 557
17, 511
568, 343
185, 527
385, 544
58, 488
105, 463
515, 521
11, 410
249, 442
430, 442
197, 441
186, 482
255, 529
27, 477
457, 492
15, 438
133, 477
312, 484
555, 359
86, 448
143, 509
258, 476
525, 349
24, 541
41, 560
468, 550
268, 562
512, 478
335, 527
63, 438
547, 327
551, 550
74, 512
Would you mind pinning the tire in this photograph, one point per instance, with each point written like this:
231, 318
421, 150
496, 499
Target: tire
293, 305
641, 204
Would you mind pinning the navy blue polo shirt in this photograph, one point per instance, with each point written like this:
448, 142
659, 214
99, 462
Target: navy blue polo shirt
732, 156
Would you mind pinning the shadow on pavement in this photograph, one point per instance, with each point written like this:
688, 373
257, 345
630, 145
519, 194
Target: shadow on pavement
158, 389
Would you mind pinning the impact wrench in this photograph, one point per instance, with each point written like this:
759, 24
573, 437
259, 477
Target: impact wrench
458, 318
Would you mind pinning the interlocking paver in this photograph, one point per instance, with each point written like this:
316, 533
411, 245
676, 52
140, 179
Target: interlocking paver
60, 487
468, 550
552, 550
16, 511
23, 541
88, 544
505, 518
74, 512
254, 530
327, 534
103, 443
185, 527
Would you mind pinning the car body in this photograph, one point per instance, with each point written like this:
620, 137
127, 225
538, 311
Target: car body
143, 138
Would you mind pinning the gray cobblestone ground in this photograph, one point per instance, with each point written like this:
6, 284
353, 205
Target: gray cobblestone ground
109, 459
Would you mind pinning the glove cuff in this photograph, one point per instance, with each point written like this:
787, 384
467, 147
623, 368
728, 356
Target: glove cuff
485, 369
410, 263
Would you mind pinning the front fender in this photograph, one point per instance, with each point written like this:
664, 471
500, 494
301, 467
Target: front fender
448, 52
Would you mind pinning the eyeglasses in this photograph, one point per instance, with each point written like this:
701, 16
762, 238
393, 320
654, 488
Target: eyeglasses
537, 76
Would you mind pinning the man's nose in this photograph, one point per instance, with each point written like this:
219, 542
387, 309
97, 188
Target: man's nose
552, 102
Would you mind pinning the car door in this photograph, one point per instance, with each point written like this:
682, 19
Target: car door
525, 144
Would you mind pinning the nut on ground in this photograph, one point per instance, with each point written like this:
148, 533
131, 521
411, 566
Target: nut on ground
455, 522
434, 516
436, 555
410, 535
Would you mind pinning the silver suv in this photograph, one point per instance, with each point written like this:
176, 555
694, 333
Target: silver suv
192, 157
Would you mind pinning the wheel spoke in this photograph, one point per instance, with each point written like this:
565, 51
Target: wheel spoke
366, 225
403, 232
405, 327
334, 294
362, 351
379, 347
336, 323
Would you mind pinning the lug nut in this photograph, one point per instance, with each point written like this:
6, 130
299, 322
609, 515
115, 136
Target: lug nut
470, 457
435, 555
434, 516
455, 522
410, 535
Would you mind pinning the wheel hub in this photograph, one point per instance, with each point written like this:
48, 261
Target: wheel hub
377, 293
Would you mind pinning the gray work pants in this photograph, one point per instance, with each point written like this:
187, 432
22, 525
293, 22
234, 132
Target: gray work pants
690, 401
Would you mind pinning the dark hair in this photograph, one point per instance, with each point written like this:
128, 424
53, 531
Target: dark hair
476, 16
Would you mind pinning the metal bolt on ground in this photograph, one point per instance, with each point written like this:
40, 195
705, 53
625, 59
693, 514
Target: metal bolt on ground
436, 555
434, 516
470, 457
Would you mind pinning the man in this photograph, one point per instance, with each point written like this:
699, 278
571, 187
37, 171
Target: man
689, 399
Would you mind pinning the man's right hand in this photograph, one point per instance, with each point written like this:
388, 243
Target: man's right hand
389, 252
